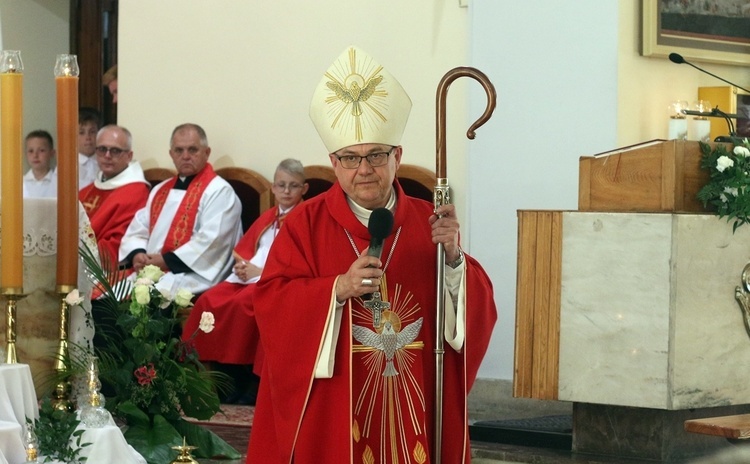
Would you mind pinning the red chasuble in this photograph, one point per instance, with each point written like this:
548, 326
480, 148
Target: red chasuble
378, 406
234, 339
110, 213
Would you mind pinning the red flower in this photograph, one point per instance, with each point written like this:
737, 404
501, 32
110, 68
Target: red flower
145, 375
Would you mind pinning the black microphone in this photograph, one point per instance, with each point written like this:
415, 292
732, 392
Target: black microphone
379, 225
677, 58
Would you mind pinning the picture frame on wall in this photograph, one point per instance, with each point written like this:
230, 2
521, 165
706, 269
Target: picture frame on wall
714, 31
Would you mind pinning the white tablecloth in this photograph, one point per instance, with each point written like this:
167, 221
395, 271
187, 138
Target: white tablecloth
17, 402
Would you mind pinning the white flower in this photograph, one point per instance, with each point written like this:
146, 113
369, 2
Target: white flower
183, 298
73, 298
144, 281
741, 151
166, 298
151, 272
142, 294
724, 162
207, 322
723, 198
731, 190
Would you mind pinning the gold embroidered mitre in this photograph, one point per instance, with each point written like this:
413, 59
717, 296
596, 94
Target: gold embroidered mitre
358, 101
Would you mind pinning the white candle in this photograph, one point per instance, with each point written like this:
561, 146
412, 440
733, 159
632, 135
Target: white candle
700, 129
678, 128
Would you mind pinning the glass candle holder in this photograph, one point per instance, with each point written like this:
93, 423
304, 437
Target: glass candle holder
700, 127
678, 127
30, 443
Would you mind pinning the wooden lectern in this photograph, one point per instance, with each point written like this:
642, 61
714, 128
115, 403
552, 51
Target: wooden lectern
655, 176
626, 307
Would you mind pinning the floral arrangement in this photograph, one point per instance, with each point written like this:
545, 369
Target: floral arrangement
728, 189
154, 378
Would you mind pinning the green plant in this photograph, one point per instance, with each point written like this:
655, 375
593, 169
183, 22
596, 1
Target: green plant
728, 189
58, 439
155, 378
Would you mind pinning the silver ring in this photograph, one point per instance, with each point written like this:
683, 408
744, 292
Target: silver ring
367, 282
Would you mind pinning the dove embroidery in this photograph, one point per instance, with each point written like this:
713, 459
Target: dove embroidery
388, 341
355, 94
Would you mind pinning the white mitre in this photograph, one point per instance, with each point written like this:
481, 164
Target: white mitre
358, 101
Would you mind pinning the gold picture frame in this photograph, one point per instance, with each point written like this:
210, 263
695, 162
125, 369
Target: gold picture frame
691, 35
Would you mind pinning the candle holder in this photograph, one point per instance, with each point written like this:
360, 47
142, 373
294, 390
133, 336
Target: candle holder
10, 61
12, 295
66, 65
184, 455
678, 126
62, 389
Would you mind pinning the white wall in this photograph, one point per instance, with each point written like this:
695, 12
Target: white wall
556, 84
246, 71
40, 30
569, 78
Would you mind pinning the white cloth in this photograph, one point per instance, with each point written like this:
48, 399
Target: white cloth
208, 252
17, 402
46, 187
88, 168
131, 174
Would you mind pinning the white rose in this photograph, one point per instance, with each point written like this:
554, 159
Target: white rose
183, 298
166, 298
741, 151
143, 281
207, 322
142, 294
73, 298
151, 272
723, 162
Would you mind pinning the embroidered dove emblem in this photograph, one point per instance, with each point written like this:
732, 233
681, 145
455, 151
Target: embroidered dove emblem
388, 341
355, 94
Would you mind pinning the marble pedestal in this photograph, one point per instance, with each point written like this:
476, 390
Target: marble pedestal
641, 433
650, 332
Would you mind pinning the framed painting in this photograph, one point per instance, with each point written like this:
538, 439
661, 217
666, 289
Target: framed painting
715, 31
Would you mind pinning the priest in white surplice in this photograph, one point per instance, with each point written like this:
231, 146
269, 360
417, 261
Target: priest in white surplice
190, 223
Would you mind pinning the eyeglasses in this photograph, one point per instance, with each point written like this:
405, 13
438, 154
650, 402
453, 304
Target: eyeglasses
114, 152
376, 159
291, 186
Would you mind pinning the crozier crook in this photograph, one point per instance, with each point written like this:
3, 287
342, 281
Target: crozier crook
441, 197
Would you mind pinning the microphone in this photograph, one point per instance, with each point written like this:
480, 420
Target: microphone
677, 58
379, 226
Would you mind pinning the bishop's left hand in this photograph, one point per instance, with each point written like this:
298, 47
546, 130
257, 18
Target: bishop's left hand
445, 230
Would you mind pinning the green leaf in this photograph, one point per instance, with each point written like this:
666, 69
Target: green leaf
209, 445
154, 439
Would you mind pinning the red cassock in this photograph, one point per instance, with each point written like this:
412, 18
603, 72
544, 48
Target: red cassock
110, 213
378, 405
234, 339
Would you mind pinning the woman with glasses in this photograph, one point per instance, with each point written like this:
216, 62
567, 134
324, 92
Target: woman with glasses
230, 301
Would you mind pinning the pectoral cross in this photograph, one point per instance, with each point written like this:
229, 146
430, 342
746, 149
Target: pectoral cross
376, 305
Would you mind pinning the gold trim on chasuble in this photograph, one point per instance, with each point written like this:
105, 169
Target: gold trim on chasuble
356, 99
91, 204
183, 228
390, 403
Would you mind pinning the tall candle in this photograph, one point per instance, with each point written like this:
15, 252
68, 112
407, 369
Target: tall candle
11, 193
66, 80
